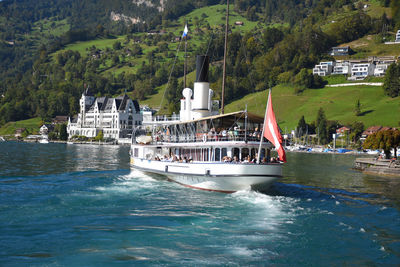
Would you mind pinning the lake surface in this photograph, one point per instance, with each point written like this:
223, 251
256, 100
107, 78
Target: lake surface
81, 205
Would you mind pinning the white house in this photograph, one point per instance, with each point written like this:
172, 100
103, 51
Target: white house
380, 70
342, 68
324, 68
362, 70
397, 37
116, 117
46, 128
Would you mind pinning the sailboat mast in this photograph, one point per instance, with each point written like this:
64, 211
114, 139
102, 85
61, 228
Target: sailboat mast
225, 52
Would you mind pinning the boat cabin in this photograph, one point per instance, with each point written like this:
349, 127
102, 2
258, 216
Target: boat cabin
233, 137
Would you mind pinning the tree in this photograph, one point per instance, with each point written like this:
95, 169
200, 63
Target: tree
357, 129
301, 126
63, 132
391, 86
304, 78
321, 124
271, 36
99, 136
386, 140
357, 108
117, 45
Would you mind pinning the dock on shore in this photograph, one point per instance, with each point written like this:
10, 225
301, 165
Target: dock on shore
378, 166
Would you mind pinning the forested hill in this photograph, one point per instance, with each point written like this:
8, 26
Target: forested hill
130, 45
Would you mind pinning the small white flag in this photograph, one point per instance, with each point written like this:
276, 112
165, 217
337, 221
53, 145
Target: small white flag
185, 31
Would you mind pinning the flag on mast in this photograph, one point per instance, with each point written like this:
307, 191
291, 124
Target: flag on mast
185, 31
271, 130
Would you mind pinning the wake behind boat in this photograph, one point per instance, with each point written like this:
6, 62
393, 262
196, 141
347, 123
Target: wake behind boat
210, 151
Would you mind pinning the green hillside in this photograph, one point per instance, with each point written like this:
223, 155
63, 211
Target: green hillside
31, 125
201, 21
277, 42
338, 103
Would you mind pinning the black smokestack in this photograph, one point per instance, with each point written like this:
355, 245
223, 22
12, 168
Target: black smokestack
202, 68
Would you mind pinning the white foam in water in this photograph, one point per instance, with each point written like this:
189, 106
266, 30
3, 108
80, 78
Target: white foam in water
134, 181
136, 174
269, 211
382, 248
255, 198
362, 230
241, 251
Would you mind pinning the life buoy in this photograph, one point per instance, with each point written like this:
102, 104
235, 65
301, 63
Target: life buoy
204, 138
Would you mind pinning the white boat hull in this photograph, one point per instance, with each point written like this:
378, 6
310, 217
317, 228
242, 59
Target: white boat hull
214, 176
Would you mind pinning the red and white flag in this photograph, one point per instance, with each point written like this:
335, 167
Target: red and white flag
271, 130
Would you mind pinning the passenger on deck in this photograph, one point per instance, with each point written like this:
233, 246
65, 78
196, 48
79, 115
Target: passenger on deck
223, 134
256, 135
211, 134
247, 159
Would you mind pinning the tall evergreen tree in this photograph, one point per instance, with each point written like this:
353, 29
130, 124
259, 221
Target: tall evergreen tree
391, 86
301, 126
321, 124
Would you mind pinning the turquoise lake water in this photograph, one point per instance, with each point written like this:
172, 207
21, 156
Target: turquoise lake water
81, 205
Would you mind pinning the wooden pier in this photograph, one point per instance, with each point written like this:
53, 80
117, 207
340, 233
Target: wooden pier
378, 166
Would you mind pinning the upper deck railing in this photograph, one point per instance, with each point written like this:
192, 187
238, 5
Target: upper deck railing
229, 136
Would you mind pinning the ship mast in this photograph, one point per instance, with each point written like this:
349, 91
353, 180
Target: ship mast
184, 68
225, 52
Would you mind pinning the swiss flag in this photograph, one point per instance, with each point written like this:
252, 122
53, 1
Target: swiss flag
271, 131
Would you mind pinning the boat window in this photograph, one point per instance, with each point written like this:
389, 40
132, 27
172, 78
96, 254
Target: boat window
236, 152
253, 153
217, 154
205, 154
223, 152
136, 152
245, 153
262, 153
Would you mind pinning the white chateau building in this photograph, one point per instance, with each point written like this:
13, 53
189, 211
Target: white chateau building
116, 117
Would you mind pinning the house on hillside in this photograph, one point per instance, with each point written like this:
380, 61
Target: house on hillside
60, 120
115, 117
18, 132
46, 129
397, 37
341, 67
362, 71
342, 131
380, 70
340, 51
324, 68
370, 130
374, 129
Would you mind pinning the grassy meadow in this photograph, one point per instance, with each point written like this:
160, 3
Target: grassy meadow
338, 104
31, 125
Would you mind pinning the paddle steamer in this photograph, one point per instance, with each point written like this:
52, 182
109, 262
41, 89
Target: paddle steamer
206, 150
